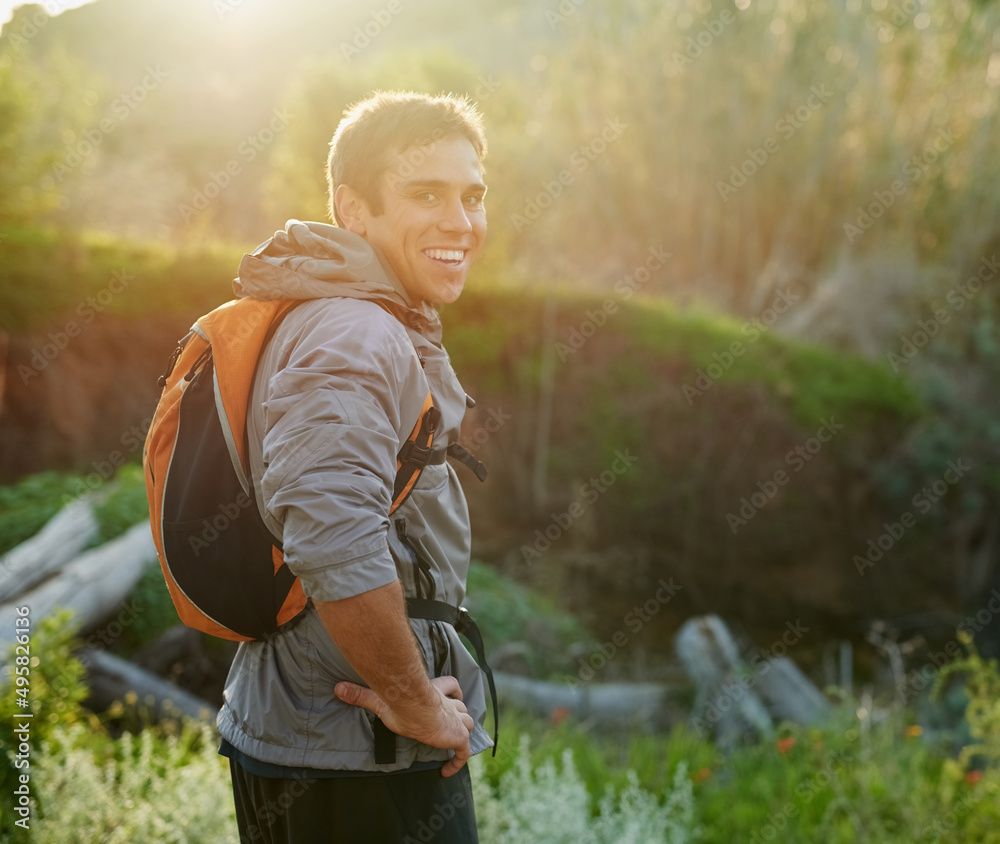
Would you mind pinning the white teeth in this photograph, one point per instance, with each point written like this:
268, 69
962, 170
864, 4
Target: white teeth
445, 254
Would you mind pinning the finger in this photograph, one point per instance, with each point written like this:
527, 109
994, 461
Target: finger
457, 762
448, 686
359, 696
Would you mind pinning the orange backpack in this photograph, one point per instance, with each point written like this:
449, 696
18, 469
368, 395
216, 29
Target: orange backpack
225, 571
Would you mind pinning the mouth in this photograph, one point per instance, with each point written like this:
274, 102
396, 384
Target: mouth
448, 257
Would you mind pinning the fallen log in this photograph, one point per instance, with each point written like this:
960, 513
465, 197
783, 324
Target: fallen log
606, 705
54, 546
91, 586
111, 679
788, 694
725, 704
735, 700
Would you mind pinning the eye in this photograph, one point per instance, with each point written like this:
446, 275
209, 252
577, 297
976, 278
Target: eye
426, 196
474, 201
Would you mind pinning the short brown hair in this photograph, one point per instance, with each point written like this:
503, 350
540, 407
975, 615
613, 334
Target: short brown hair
393, 121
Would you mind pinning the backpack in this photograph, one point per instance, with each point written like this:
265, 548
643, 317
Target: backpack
224, 569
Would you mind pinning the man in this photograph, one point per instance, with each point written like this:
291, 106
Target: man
354, 722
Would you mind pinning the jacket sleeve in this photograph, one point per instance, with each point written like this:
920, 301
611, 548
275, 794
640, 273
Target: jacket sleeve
333, 423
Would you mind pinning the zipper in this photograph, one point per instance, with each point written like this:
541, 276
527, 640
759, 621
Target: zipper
423, 581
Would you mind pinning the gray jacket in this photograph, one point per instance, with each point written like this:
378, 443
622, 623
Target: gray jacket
338, 390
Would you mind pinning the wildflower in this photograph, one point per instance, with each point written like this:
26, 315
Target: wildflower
785, 744
973, 777
914, 730
560, 714
703, 774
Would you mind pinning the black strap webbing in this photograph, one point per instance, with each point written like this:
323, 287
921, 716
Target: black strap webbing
465, 457
385, 744
459, 618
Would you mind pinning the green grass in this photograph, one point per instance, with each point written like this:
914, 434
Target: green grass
49, 278
26, 506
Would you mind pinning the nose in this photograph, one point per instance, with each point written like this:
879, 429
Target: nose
454, 217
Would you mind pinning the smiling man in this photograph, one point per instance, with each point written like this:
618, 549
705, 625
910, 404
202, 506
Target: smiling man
354, 722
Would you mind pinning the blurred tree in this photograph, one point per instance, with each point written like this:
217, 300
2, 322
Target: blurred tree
43, 107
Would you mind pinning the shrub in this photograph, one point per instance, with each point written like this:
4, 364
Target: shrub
169, 790
552, 805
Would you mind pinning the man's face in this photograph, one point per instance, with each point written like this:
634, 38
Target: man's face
433, 222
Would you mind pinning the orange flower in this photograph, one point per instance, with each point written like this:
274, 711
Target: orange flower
560, 714
785, 744
914, 730
703, 774
973, 777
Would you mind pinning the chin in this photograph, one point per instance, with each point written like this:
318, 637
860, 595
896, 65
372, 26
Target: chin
446, 297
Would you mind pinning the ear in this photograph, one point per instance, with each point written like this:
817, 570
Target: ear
352, 209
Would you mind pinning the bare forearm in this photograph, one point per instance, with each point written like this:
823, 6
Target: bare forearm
373, 633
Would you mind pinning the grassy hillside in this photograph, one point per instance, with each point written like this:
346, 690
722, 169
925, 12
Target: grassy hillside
629, 441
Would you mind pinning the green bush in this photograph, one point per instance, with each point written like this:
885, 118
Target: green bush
52, 695
551, 804
508, 612
151, 788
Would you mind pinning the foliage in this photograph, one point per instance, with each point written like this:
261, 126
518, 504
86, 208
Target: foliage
43, 103
544, 803
49, 275
172, 788
55, 693
26, 506
125, 505
978, 763
864, 775
508, 612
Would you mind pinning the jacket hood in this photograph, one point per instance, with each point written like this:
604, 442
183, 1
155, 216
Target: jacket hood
310, 260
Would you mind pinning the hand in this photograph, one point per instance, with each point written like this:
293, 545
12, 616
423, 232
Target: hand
441, 721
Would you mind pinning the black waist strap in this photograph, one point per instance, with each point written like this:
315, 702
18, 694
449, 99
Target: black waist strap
459, 618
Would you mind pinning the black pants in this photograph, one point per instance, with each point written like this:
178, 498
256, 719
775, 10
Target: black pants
414, 808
